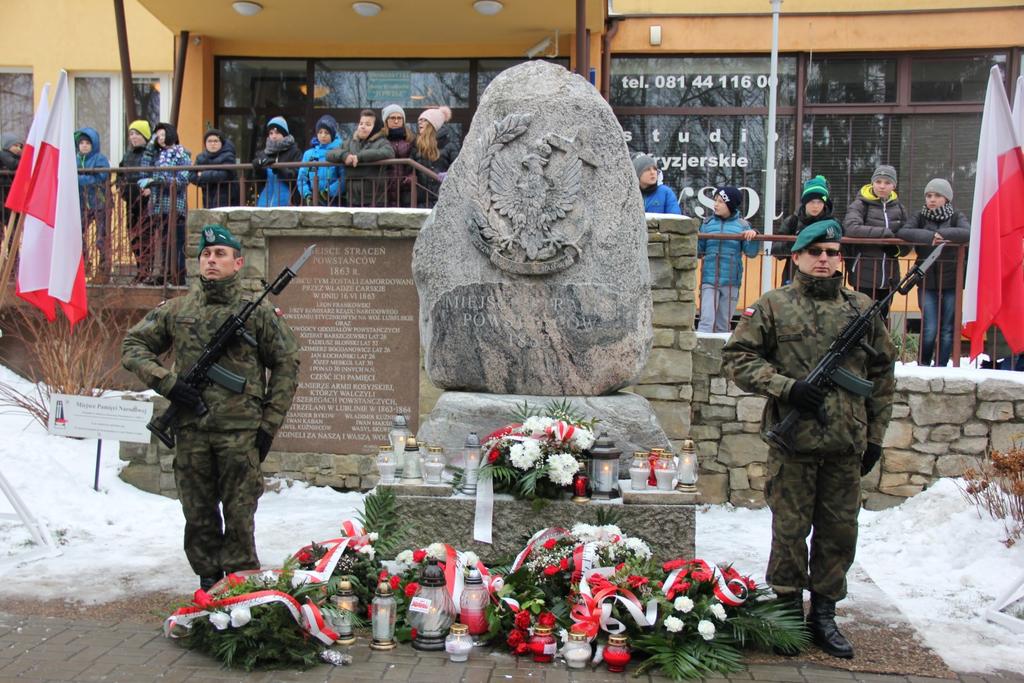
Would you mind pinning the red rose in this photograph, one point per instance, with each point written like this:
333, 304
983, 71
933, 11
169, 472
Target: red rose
701, 576
411, 588
546, 619
395, 582
235, 579
564, 563
413, 632
383, 576
637, 581
493, 456
522, 648
550, 544
660, 585
673, 565
551, 570
522, 620
419, 555
749, 583
619, 566
515, 638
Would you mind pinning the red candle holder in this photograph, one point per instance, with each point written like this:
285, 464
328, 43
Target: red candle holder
616, 654
542, 644
580, 488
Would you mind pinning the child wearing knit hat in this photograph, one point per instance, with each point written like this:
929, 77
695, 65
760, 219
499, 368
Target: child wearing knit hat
937, 223
657, 198
815, 205
722, 266
876, 213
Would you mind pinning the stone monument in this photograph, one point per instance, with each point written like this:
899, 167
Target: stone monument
533, 276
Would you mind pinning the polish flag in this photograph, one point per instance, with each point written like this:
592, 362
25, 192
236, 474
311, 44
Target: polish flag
51, 268
23, 176
994, 291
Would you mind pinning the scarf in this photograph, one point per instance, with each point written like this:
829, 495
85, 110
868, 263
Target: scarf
276, 147
939, 215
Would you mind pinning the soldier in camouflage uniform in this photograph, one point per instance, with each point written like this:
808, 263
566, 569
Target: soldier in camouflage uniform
816, 488
217, 457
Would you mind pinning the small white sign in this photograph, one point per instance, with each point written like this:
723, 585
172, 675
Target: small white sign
419, 605
99, 418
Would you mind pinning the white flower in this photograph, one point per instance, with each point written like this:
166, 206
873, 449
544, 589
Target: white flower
471, 558
268, 577
683, 604
561, 467
537, 424
299, 579
718, 611
404, 557
220, 620
373, 536
638, 547
706, 629
609, 530
585, 532
240, 616
437, 551
673, 624
524, 455
368, 550
582, 438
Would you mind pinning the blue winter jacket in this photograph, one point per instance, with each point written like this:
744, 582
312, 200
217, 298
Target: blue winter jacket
661, 200
723, 259
329, 178
92, 187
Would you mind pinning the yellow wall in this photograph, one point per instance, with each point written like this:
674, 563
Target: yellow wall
969, 29
80, 35
667, 7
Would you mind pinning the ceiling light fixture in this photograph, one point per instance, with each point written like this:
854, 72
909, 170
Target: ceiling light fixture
366, 9
247, 9
488, 8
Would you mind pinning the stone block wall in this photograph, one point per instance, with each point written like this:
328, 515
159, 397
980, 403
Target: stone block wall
939, 425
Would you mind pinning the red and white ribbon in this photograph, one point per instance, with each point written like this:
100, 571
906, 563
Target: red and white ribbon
731, 592
308, 616
560, 431
539, 537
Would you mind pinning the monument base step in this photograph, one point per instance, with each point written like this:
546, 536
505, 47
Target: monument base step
429, 490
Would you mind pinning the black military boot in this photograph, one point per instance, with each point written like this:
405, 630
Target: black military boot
207, 582
794, 603
824, 632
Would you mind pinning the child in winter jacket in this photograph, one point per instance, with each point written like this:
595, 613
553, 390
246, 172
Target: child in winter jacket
92, 195
365, 183
657, 198
220, 186
722, 266
815, 205
330, 180
279, 182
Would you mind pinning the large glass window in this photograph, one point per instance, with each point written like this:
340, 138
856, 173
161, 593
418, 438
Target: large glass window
698, 153
354, 84
146, 91
851, 81
699, 81
16, 104
952, 79
92, 107
275, 83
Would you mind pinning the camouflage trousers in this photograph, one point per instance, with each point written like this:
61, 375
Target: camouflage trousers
215, 470
820, 497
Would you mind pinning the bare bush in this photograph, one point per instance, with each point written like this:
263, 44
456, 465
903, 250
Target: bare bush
63, 360
997, 488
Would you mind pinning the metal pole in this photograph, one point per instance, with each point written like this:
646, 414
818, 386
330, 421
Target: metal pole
179, 76
769, 177
582, 63
126, 62
96, 479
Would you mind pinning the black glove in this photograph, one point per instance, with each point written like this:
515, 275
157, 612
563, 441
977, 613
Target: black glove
806, 397
263, 441
185, 395
871, 456
260, 163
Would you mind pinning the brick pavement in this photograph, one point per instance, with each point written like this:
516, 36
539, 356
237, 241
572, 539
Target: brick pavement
52, 650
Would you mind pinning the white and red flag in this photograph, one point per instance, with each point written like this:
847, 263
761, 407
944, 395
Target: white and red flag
18, 192
51, 270
994, 286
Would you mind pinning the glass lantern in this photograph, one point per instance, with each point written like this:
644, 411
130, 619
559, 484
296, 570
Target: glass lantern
665, 470
471, 464
345, 604
639, 470
616, 654
433, 465
688, 468
577, 650
604, 467
473, 603
543, 644
397, 436
386, 464
581, 487
411, 472
458, 643
382, 619
431, 610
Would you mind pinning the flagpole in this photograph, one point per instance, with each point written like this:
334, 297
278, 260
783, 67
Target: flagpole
769, 176
10, 247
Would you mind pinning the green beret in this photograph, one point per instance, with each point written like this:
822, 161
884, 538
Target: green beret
218, 234
827, 230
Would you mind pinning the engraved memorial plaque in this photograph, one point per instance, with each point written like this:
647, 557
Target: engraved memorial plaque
353, 308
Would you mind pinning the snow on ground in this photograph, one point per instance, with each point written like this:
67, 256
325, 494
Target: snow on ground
933, 557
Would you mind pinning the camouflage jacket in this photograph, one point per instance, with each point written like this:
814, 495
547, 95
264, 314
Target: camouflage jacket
783, 336
186, 323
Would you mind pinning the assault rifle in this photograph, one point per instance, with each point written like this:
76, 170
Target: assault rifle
207, 370
828, 372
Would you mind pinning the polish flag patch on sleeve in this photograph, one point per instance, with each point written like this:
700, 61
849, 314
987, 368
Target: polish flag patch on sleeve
748, 312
